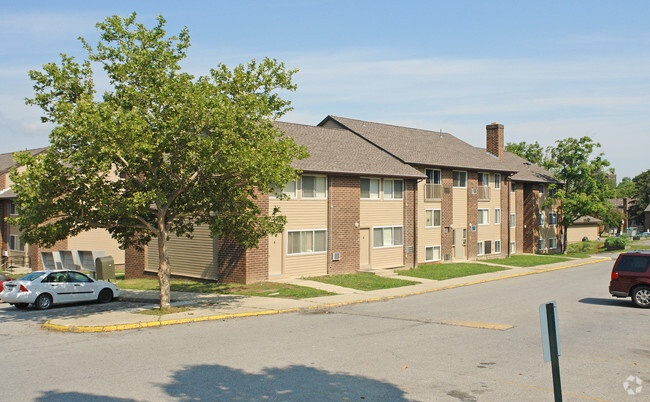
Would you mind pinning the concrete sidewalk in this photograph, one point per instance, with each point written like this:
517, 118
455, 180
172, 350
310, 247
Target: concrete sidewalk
207, 307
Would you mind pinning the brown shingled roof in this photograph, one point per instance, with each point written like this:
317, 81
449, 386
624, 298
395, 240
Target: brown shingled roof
423, 147
527, 171
7, 160
341, 151
583, 220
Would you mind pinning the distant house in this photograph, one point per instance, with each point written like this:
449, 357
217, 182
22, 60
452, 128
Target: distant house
13, 252
624, 206
585, 226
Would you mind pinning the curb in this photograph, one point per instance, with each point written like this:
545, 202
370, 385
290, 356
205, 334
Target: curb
150, 324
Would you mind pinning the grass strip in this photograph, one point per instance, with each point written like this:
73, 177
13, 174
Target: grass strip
362, 281
529, 260
441, 272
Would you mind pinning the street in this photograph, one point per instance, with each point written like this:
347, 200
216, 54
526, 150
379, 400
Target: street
435, 346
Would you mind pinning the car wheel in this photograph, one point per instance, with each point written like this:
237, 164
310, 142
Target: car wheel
21, 306
105, 296
43, 302
641, 296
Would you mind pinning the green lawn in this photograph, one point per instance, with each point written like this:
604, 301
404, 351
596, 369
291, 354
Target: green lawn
265, 289
362, 281
162, 311
447, 271
529, 260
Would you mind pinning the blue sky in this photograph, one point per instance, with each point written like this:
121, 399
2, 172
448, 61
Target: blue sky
546, 70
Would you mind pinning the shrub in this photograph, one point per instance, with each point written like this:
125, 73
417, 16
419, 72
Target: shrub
616, 243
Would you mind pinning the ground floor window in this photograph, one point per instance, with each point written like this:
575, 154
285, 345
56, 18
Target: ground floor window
497, 246
307, 241
388, 236
432, 253
480, 248
16, 243
542, 245
552, 243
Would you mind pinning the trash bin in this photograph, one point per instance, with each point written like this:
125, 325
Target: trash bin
104, 268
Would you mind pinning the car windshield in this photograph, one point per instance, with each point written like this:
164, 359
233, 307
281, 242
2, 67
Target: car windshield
32, 276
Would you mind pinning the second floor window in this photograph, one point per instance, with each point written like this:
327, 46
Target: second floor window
483, 216
12, 208
393, 189
314, 186
370, 188
552, 218
460, 179
542, 218
497, 180
432, 218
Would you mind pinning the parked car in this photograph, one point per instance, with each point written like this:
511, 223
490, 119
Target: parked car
3, 278
631, 277
44, 288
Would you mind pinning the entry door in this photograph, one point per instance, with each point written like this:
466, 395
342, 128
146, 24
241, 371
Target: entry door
364, 245
459, 246
275, 254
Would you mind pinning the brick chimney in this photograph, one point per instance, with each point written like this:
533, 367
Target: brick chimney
494, 140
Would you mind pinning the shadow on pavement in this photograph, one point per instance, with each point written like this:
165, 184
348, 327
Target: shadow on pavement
607, 302
293, 383
10, 313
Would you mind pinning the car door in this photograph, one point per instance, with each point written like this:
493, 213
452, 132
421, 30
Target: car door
59, 286
83, 286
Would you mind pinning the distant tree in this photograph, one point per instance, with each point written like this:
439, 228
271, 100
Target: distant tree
160, 151
642, 196
584, 190
534, 153
625, 188
611, 217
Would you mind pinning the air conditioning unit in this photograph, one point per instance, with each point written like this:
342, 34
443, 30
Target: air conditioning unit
336, 256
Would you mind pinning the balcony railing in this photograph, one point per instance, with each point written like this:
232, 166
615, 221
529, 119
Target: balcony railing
432, 191
483, 193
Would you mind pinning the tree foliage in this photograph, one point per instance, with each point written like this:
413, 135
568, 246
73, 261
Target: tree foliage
534, 152
642, 195
584, 190
626, 188
160, 151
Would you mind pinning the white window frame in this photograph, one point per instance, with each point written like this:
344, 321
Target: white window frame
497, 181
513, 220
481, 250
487, 211
274, 194
542, 218
433, 218
392, 228
302, 186
497, 245
12, 208
497, 216
434, 176
313, 236
433, 248
371, 179
554, 239
513, 247
454, 178
541, 244
392, 194
485, 183
16, 240
552, 222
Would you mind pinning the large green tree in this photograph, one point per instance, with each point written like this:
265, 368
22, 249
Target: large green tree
626, 188
642, 195
533, 152
160, 151
584, 190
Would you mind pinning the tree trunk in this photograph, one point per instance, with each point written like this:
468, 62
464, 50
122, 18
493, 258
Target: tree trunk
164, 269
564, 239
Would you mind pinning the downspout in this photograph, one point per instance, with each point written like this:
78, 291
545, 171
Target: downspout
331, 247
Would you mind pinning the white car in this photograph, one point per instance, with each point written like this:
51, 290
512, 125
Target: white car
44, 288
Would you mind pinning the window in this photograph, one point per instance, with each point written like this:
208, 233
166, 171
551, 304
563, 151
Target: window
632, 263
513, 247
552, 218
484, 179
433, 176
289, 189
497, 216
480, 248
541, 245
387, 236
497, 246
307, 241
16, 243
552, 191
541, 189
314, 186
483, 216
460, 179
513, 187
370, 188
432, 218
552, 243
432, 253
393, 189
497, 181
513, 220
12, 208
542, 218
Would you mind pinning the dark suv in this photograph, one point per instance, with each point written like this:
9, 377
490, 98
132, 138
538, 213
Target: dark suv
631, 277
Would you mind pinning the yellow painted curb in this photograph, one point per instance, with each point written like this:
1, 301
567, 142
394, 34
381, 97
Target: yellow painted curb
149, 324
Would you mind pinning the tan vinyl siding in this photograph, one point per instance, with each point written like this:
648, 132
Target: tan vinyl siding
196, 258
427, 236
305, 264
97, 239
491, 231
388, 257
460, 209
381, 213
575, 233
302, 214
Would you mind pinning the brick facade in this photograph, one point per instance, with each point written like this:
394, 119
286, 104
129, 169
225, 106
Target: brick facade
472, 215
343, 218
134, 263
519, 211
494, 140
505, 213
257, 258
410, 218
447, 214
